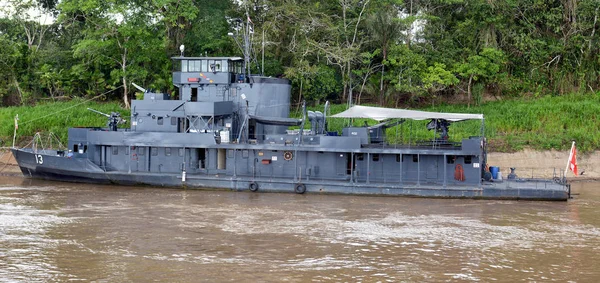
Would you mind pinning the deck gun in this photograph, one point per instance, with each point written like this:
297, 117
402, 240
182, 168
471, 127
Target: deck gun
439, 126
377, 132
114, 119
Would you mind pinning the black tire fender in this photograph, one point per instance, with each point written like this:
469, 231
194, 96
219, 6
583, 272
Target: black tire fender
253, 186
299, 188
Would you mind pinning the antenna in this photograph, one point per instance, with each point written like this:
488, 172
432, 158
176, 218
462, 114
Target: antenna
242, 37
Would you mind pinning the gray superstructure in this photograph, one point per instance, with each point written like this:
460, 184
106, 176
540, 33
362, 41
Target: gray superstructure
226, 129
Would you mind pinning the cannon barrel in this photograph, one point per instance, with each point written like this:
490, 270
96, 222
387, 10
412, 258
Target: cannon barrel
96, 111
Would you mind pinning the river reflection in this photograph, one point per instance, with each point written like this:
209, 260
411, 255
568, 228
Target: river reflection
59, 231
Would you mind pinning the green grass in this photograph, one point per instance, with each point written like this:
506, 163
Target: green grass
550, 122
55, 117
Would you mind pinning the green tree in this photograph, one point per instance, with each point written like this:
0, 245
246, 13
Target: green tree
485, 67
119, 34
385, 27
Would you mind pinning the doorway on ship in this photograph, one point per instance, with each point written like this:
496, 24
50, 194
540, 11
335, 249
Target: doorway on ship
201, 154
348, 163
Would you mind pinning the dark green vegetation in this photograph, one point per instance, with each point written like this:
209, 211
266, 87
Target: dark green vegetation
544, 123
386, 52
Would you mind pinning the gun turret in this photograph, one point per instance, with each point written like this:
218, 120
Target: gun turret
114, 119
377, 132
441, 126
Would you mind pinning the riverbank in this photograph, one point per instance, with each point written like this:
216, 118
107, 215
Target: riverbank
8, 164
528, 163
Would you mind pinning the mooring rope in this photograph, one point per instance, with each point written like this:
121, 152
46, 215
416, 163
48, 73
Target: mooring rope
85, 101
65, 109
6, 163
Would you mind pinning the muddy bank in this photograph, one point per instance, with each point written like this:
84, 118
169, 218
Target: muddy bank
8, 164
528, 163
544, 164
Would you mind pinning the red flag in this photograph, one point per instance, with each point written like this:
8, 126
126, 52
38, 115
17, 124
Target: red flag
573, 160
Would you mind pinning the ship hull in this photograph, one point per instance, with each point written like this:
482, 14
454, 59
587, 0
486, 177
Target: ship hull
59, 168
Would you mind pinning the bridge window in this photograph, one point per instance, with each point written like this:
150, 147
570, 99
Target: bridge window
415, 158
224, 66
375, 157
184, 66
194, 66
168, 151
154, 151
204, 66
159, 120
115, 150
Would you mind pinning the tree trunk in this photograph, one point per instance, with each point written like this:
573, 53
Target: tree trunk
349, 86
125, 96
124, 68
300, 96
19, 90
381, 85
469, 91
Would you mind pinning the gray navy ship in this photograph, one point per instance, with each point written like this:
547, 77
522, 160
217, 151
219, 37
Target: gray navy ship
229, 129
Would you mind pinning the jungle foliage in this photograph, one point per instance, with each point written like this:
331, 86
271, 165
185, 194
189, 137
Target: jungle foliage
387, 52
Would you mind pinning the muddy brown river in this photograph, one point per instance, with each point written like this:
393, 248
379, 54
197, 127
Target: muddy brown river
51, 231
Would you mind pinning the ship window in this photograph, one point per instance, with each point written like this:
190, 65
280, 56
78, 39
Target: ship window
217, 67
376, 157
194, 66
398, 157
184, 66
245, 153
115, 150
154, 151
450, 159
173, 121
360, 156
204, 66
181, 152
230, 153
127, 149
224, 66
415, 158
168, 151
159, 120
141, 150
467, 159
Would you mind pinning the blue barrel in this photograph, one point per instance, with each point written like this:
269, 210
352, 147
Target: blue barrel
494, 170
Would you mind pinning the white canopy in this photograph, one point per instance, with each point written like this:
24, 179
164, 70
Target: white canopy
380, 113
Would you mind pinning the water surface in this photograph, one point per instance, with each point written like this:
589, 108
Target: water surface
51, 231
